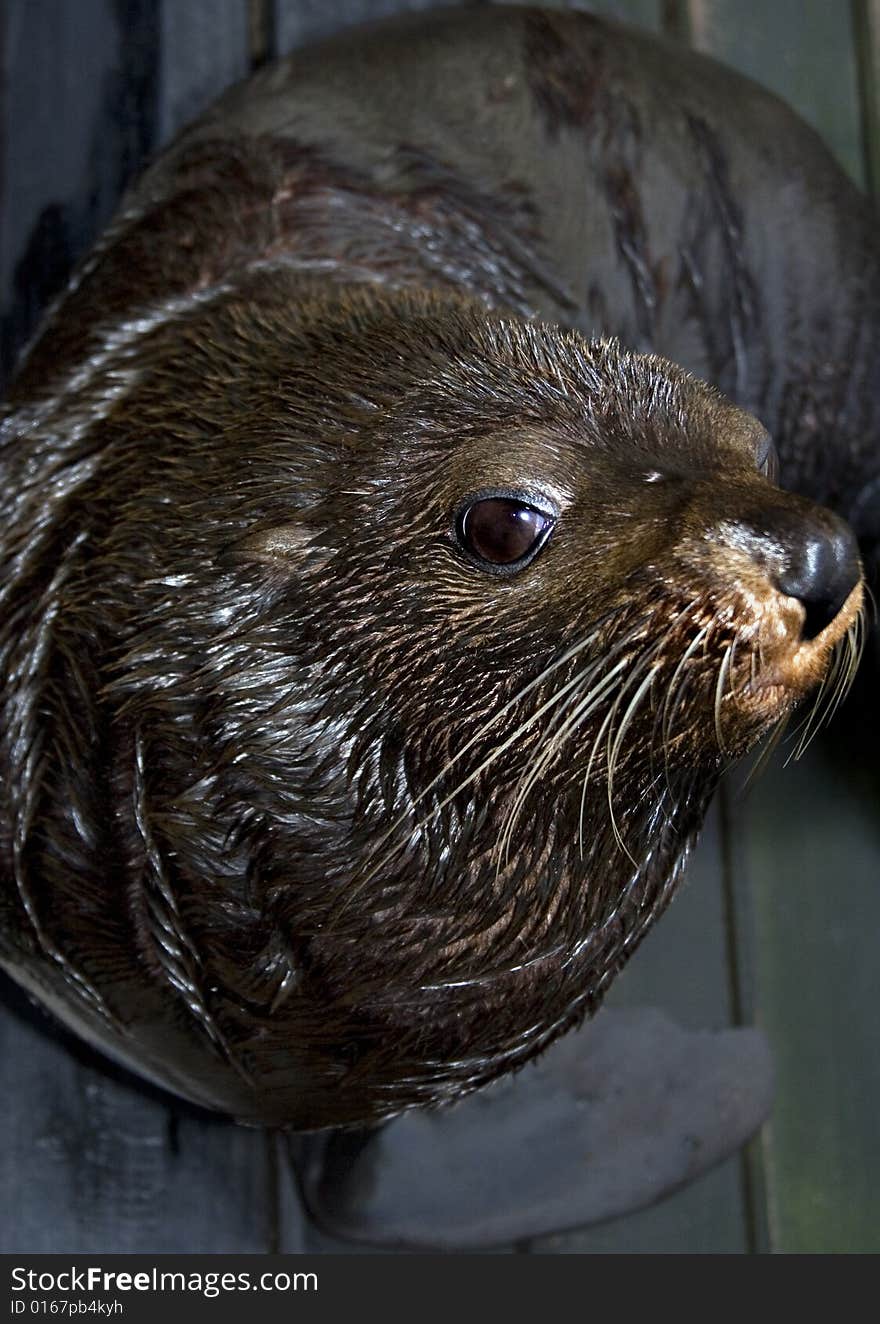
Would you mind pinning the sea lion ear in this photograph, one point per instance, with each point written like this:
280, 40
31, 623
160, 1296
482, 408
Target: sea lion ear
767, 457
284, 542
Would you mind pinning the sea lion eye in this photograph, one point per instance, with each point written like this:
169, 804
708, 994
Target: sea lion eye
503, 531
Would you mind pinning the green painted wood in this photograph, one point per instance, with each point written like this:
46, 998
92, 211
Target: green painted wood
802, 958
699, 1220
801, 49
813, 847
683, 967
866, 20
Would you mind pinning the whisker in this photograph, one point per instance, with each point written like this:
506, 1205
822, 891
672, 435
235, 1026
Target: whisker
604, 728
836, 683
851, 657
767, 751
587, 775
615, 752
469, 744
669, 712
554, 737
805, 730
723, 673
554, 700
582, 710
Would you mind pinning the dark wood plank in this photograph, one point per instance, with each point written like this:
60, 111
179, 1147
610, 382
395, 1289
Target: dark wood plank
79, 117
813, 848
644, 13
801, 49
97, 1162
741, 936
205, 47
292, 1226
682, 967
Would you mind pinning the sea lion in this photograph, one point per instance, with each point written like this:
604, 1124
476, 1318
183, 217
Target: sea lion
371, 645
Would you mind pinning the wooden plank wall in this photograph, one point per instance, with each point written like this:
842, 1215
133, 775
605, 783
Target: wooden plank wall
808, 841
778, 919
90, 1160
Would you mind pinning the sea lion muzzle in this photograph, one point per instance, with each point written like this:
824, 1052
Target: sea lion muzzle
813, 558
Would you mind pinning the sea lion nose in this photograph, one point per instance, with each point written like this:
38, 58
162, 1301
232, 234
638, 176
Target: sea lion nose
811, 555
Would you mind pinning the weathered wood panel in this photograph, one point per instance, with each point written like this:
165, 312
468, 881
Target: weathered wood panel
801, 49
814, 858
808, 864
205, 47
78, 118
98, 1162
683, 967
297, 22
866, 19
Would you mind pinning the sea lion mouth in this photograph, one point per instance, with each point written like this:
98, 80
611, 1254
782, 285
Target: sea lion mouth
810, 662
783, 678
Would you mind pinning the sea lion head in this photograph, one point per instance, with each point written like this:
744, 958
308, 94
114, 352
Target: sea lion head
395, 649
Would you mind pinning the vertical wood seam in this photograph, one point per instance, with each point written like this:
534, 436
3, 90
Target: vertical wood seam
273, 1193
735, 887
262, 32
866, 32
676, 21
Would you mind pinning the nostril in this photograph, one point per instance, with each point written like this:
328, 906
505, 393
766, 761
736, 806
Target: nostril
818, 615
820, 567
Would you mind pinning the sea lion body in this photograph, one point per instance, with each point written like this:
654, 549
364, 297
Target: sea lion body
296, 820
